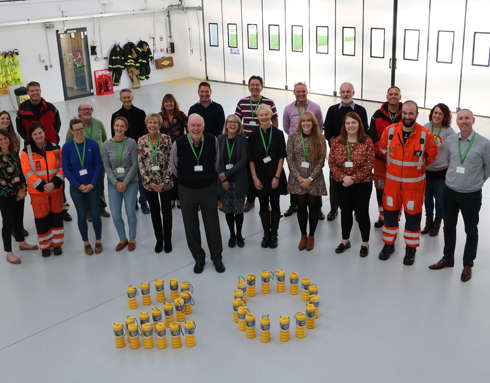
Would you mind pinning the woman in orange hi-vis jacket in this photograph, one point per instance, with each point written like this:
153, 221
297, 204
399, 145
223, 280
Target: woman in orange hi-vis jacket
409, 148
41, 165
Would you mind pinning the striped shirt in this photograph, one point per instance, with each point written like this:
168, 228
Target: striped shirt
248, 116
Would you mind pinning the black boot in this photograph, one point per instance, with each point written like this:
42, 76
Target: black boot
434, 230
275, 217
386, 252
265, 218
429, 222
409, 256
230, 220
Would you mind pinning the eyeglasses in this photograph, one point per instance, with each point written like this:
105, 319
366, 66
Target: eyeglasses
77, 130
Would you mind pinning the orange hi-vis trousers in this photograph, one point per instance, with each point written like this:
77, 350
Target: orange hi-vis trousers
48, 218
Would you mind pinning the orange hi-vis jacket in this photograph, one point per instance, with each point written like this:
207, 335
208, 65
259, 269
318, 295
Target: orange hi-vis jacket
41, 167
405, 163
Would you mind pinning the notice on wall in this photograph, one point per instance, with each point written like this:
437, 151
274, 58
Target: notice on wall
297, 31
253, 40
321, 39
274, 42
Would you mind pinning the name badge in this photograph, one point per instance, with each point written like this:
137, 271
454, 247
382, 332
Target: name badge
253, 123
267, 159
83, 172
460, 170
155, 168
120, 170
229, 166
349, 164
305, 164
198, 168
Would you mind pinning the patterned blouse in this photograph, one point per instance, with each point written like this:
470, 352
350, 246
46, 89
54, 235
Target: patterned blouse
176, 127
362, 161
154, 163
11, 177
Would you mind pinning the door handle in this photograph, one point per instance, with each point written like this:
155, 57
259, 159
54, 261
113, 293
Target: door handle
390, 64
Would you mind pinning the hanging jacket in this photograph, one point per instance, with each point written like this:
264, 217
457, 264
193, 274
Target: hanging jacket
131, 55
41, 167
380, 120
48, 116
116, 58
16, 77
145, 52
4, 70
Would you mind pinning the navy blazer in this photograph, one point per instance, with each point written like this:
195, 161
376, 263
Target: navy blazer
239, 170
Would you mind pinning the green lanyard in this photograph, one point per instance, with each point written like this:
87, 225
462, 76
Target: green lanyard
349, 152
12, 165
266, 148
154, 149
256, 106
193, 149
393, 116
461, 157
432, 130
119, 153
305, 148
299, 110
81, 157
230, 152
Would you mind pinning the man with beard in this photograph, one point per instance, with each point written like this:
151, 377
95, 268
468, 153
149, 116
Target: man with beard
408, 148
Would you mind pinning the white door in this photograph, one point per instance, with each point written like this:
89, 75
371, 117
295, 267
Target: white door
214, 40
322, 46
253, 38
378, 37
275, 44
297, 42
349, 39
476, 61
233, 52
445, 50
411, 49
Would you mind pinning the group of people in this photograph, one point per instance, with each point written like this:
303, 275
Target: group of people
204, 162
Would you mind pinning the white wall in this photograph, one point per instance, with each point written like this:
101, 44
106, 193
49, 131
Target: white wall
30, 40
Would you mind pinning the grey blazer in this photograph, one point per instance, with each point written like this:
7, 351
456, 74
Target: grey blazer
239, 171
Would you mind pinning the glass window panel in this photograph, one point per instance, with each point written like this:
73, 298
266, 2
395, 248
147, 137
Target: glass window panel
232, 36
378, 42
213, 35
411, 44
297, 35
321, 39
274, 38
481, 49
348, 41
445, 47
253, 39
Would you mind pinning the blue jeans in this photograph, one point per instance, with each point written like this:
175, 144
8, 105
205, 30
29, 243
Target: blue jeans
142, 199
87, 202
434, 190
115, 204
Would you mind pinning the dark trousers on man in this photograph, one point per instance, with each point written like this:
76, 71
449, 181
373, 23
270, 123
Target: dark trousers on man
101, 189
207, 199
469, 204
333, 194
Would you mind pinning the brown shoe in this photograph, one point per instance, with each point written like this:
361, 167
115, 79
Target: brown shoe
434, 231
310, 244
11, 258
98, 247
121, 245
248, 206
220, 205
132, 245
28, 246
442, 264
466, 274
302, 243
429, 222
88, 249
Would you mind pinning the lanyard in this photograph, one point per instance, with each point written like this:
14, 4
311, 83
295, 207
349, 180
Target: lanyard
256, 106
266, 148
10, 155
81, 157
193, 149
154, 148
349, 152
230, 152
432, 130
119, 153
393, 116
305, 148
299, 110
461, 157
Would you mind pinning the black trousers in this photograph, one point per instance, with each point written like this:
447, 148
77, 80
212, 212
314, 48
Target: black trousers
354, 198
469, 204
334, 194
251, 187
101, 189
207, 199
273, 199
12, 216
308, 211
116, 76
161, 214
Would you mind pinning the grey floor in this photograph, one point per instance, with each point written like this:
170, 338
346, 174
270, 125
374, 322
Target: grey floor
380, 321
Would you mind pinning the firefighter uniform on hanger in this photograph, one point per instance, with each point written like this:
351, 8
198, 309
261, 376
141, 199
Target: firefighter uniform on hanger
145, 57
116, 64
131, 63
409, 148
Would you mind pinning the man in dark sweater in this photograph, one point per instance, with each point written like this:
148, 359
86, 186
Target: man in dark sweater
331, 128
194, 160
136, 129
212, 112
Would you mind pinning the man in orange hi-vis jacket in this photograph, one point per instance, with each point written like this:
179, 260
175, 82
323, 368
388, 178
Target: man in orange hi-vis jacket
409, 148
